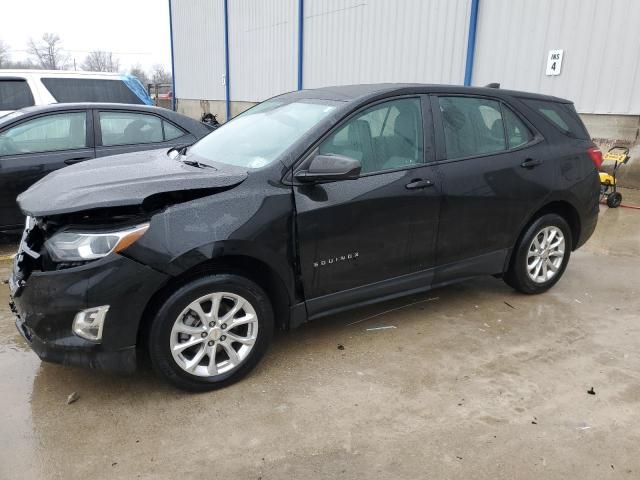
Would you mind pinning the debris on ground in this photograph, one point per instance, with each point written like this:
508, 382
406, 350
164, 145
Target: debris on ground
509, 305
577, 301
591, 391
72, 398
340, 346
534, 421
393, 310
380, 328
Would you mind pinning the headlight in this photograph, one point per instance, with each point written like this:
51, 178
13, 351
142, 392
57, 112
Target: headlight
69, 246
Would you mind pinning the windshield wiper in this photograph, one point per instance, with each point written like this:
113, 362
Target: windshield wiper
182, 151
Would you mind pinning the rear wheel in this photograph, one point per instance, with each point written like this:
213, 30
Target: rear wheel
541, 256
211, 332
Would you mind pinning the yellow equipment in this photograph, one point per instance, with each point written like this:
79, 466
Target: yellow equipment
608, 184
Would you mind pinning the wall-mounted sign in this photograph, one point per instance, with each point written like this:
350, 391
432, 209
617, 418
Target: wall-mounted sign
554, 62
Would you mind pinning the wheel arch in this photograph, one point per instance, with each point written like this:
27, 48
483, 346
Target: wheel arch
250, 267
563, 208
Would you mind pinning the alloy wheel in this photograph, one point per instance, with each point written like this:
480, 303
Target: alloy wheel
214, 334
545, 254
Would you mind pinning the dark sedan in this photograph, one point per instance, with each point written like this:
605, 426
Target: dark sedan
38, 140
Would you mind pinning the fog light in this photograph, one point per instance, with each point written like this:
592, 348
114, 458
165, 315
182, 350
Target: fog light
88, 323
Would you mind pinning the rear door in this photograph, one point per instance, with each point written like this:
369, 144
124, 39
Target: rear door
123, 131
35, 147
494, 175
373, 236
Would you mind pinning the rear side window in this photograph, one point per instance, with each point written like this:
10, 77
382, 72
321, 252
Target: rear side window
126, 128
63, 131
171, 131
66, 90
15, 94
472, 126
561, 115
518, 133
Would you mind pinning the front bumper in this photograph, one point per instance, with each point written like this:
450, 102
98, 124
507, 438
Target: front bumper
47, 302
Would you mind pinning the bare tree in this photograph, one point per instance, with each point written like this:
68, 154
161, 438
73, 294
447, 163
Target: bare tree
4, 54
48, 52
160, 75
101, 61
138, 72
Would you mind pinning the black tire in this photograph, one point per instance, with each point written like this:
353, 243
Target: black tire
159, 337
517, 276
614, 199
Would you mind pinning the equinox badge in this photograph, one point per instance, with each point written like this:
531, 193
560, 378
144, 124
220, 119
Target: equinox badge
330, 261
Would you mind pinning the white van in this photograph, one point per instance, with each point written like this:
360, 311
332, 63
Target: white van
25, 88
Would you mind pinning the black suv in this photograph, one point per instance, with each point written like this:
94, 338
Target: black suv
307, 204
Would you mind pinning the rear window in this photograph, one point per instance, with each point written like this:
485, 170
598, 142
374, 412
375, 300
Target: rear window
66, 90
561, 115
15, 94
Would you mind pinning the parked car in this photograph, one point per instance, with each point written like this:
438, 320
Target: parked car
26, 88
38, 140
308, 204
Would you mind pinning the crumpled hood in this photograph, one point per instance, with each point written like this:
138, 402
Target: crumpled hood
120, 180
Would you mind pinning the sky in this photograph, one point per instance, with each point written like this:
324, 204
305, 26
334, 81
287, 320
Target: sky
136, 31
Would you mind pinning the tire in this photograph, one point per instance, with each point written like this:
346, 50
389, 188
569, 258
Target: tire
521, 274
177, 322
614, 200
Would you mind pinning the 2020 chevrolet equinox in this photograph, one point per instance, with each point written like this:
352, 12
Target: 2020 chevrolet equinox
307, 204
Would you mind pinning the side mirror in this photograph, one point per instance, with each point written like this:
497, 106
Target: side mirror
330, 168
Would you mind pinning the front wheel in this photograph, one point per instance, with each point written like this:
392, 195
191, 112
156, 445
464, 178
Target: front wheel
541, 256
211, 332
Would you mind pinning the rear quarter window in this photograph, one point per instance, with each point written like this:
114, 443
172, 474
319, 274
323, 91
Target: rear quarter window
563, 116
15, 94
68, 90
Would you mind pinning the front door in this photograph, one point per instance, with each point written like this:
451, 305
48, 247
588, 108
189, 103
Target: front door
34, 148
373, 236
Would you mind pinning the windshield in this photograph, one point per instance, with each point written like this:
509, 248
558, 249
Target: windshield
258, 136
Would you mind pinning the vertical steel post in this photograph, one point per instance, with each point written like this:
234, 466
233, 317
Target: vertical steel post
173, 69
227, 89
300, 41
471, 42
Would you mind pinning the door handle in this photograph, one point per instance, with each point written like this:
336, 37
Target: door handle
418, 183
531, 163
71, 161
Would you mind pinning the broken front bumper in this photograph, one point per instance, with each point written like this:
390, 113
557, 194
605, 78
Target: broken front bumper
45, 304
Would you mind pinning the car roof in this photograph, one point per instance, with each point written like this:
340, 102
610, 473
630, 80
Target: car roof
52, 107
348, 93
58, 73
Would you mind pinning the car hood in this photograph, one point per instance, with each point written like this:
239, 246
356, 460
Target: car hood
121, 180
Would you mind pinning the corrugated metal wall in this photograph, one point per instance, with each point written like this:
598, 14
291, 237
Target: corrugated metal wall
369, 41
600, 39
263, 48
198, 48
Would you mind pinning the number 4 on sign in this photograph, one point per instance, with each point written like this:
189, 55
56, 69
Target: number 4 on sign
554, 62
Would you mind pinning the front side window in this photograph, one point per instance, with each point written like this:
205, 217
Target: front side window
126, 128
15, 94
472, 126
384, 137
260, 135
63, 131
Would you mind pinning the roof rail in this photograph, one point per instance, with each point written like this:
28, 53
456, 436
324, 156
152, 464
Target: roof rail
492, 85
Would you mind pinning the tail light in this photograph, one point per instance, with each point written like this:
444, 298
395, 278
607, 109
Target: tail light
596, 156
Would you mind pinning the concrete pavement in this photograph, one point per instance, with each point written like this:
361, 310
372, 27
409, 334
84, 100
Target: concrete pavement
475, 381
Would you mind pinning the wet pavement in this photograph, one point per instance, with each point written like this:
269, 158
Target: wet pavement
475, 381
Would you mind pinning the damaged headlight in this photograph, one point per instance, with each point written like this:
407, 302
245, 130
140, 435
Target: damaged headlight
78, 246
